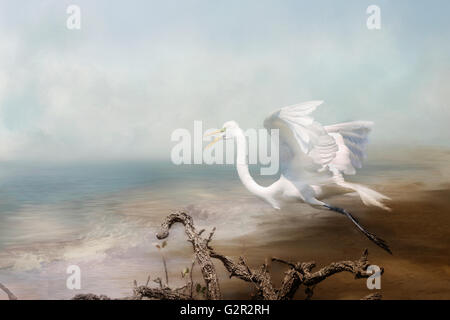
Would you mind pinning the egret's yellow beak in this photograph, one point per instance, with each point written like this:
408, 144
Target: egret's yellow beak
215, 132
216, 139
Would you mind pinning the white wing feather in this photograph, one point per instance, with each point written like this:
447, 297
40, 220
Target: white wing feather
352, 140
305, 146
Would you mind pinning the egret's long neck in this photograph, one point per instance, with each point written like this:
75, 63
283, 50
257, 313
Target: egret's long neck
242, 167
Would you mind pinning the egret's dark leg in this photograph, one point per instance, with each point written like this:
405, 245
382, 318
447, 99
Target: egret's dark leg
379, 242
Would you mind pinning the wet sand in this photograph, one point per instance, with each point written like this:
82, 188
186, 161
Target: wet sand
417, 230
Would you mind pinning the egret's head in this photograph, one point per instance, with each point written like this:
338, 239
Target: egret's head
229, 131
231, 128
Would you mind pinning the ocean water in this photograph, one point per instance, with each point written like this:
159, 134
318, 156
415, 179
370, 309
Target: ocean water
103, 218
98, 215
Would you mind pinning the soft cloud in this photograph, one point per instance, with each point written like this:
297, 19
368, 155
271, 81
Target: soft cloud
134, 73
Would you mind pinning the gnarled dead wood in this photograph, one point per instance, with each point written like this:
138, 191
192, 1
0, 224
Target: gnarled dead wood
201, 250
139, 293
298, 273
159, 294
144, 292
260, 278
90, 296
301, 274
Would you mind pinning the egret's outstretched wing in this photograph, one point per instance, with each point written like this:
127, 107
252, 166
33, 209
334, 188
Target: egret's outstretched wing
352, 139
305, 146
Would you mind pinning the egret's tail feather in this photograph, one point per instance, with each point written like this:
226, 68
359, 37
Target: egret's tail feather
368, 196
372, 237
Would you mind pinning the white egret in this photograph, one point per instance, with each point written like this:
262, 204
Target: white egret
313, 161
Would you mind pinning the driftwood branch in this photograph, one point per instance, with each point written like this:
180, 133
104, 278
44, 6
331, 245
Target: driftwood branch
90, 296
159, 294
297, 275
201, 250
8, 292
143, 292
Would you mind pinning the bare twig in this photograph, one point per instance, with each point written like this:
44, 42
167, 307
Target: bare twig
192, 278
159, 281
10, 295
165, 268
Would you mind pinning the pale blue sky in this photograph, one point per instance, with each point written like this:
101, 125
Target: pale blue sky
137, 70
